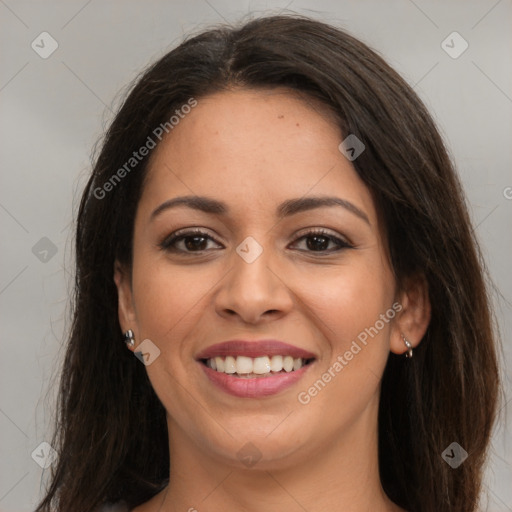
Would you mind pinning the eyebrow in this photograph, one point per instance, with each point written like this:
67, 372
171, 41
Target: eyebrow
285, 209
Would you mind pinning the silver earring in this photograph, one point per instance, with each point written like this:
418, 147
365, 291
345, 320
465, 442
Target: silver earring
409, 347
129, 338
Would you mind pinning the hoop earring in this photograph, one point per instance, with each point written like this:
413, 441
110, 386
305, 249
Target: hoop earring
129, 338
408, 354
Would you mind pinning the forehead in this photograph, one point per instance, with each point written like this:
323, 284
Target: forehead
254, 148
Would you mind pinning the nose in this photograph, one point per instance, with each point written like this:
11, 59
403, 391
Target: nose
254, 291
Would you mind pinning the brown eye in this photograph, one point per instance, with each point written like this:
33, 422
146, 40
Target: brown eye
193, 241
319, 240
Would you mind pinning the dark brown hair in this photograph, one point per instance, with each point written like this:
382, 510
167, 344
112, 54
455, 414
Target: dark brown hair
111, 432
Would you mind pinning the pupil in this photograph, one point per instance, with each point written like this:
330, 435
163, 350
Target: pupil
194, 245
315, 246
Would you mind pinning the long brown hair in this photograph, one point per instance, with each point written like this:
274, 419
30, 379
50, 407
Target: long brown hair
111, 432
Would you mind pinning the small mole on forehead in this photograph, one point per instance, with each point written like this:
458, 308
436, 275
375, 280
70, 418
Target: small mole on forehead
281, 116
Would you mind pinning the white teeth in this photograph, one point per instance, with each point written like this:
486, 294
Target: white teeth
229, 365
248, 367
243, 364
261, 365
276, 363
288, 363
219, 363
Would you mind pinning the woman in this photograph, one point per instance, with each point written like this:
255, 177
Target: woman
275, 230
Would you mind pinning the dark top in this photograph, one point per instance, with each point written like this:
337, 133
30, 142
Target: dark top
120, 506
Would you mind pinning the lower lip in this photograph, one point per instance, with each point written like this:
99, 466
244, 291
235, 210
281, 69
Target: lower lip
256, 387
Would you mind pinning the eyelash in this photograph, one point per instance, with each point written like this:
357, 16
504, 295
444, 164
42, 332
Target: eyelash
167, 243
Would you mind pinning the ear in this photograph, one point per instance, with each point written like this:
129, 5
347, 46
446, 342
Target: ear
126, 310
414, 317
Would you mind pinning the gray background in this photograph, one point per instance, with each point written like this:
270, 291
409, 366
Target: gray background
54, 110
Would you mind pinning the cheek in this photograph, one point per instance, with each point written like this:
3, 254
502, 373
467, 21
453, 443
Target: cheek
346, 298
166, 295
348, 304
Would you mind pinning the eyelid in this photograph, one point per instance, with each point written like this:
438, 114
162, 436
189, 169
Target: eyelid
164, 244
340, 241
323, 231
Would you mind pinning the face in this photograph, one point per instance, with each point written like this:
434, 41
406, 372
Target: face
314, 277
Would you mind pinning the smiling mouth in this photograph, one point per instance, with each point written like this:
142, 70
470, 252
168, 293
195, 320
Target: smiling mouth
255, 367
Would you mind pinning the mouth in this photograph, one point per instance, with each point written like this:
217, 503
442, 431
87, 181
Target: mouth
254, 369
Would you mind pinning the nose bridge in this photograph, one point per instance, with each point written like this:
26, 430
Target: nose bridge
251, 264
252, 286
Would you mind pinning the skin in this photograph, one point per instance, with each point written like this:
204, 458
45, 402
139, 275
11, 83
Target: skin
254, 149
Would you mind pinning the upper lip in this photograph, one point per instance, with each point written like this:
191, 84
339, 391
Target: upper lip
256, 348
